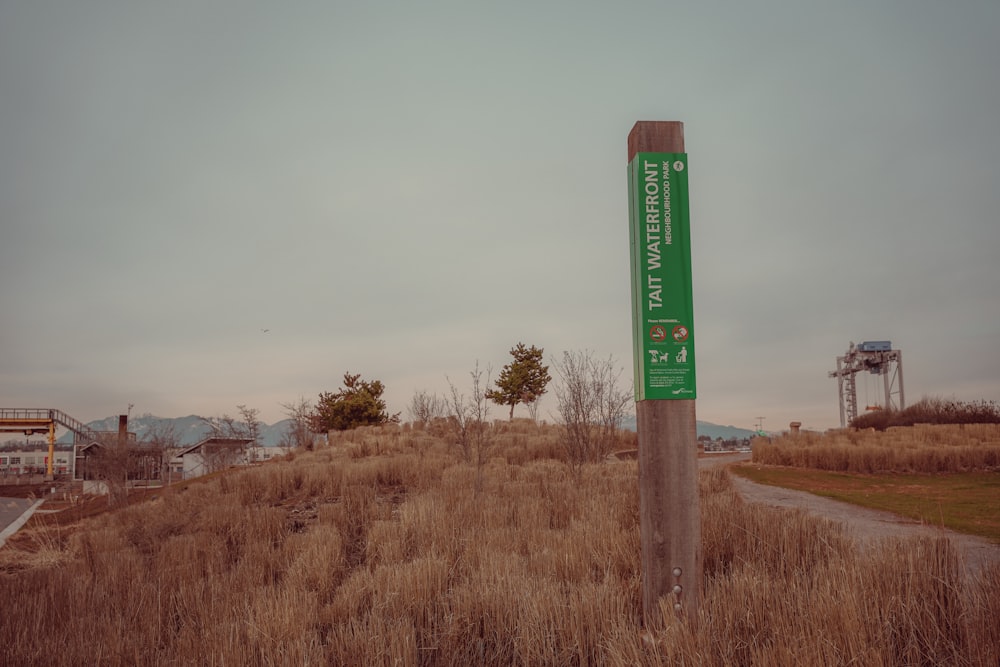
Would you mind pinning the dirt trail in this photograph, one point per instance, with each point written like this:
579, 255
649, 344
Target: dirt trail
865, 525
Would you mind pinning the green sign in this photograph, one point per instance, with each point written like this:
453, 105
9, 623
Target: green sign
662, 309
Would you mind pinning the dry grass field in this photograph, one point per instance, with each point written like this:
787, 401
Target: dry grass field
387, 548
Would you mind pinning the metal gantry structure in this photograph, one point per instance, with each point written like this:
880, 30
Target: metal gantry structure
43, 420
877, 358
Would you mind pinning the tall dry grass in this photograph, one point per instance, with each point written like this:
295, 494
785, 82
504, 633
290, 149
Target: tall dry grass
931, 410
392, 558
924, 448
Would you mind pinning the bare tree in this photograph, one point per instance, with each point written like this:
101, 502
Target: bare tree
459, 420
469, 420
223, 427
424, 408
533, 409
162, 441
591, 405
233, 435
250, 425
110, 463
224, 452
299, 433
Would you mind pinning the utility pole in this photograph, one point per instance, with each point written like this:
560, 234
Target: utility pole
663, 355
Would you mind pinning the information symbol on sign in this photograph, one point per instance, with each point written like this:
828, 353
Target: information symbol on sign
680, 333
658, 333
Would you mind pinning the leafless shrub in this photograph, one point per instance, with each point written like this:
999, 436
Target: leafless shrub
223, 453
232, 437
246, 426
111, 461
163, 442
469, 419
424, 408
466, 415
299, 432
591, 405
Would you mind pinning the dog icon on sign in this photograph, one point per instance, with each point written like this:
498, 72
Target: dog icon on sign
657, 357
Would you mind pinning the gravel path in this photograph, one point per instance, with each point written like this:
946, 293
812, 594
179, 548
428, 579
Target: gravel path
865, 525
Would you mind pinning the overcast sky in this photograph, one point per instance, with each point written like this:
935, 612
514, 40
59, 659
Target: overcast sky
221, 203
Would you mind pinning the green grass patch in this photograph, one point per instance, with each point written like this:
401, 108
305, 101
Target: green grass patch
964, 502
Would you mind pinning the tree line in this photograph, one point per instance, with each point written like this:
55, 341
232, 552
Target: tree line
590, 403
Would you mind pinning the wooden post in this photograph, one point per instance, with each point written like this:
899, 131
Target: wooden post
670, 522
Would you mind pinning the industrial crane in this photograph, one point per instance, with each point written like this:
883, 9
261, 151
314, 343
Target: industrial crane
878, 358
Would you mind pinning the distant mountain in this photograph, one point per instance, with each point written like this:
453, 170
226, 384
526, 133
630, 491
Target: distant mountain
713, 431
190, 430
